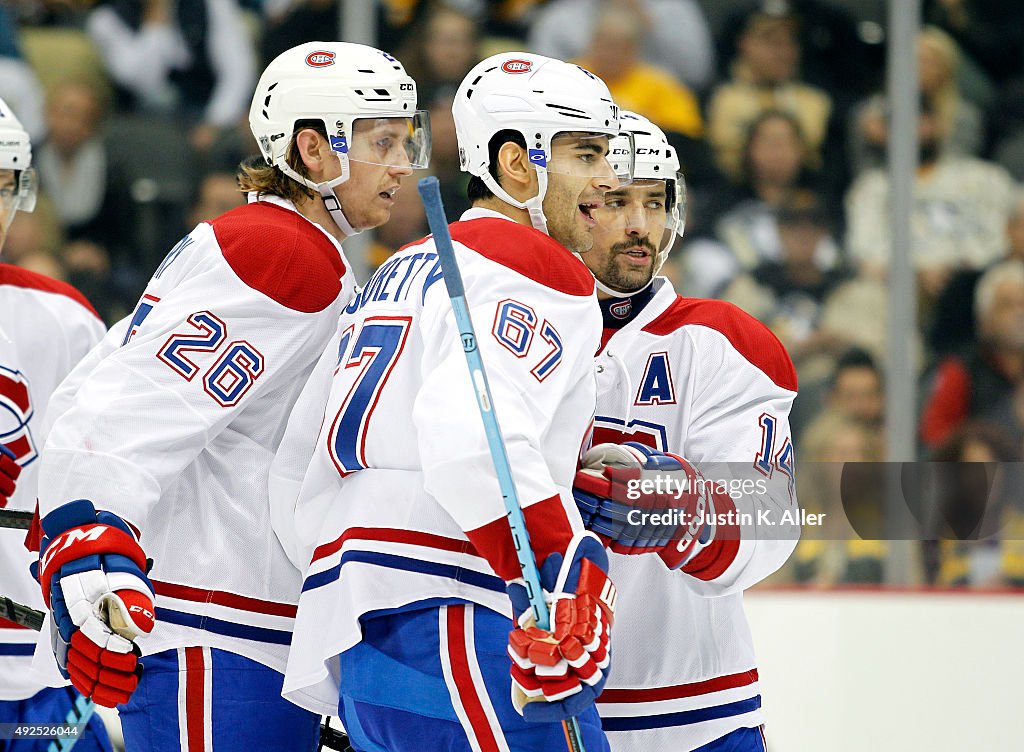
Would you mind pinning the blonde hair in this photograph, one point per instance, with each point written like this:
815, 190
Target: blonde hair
985, 291
254, 174
946, 99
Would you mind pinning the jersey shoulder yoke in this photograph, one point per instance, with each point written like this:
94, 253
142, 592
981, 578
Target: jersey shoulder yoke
281, 254
29, 280
526, 251
748, 336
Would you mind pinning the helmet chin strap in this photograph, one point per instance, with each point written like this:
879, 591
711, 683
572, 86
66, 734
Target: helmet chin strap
535, 205
326, 191
333, 207
618, 293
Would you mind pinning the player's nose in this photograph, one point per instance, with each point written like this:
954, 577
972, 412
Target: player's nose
400, 170
636, 221
605, 179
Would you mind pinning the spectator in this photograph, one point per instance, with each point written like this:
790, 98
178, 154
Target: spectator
764, 76
960, 121
788, 293
45, 264
959, 214
835, 56
19, 86
289, 23
987, 382
952, 327
987, 31
855, 389
187, 58
444, 153
73, 165
614, 55
701, 266
775, 164
441, 48
218, 193
675, 34
979, 524
836, 553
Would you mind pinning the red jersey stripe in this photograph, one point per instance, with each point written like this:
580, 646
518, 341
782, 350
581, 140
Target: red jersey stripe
195, 683
679, 691
220, 598
468, 691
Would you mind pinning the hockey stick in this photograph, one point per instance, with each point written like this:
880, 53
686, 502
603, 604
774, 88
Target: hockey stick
430, 192
23, 616
26, 616
80, 713
333, 739
83, 708
15, 519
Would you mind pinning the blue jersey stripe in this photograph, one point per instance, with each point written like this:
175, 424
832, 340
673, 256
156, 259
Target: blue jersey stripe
393, 561
228, 628
16, 648
682, 718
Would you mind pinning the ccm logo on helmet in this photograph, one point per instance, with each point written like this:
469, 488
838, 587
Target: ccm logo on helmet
320, 59
517, 66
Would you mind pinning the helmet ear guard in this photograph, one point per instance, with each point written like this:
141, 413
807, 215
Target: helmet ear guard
340, 85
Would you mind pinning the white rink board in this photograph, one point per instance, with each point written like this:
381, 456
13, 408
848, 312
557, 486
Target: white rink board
871, 671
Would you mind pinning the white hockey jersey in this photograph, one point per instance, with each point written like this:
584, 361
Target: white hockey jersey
400, 502
46, 327
172, 422
704, 380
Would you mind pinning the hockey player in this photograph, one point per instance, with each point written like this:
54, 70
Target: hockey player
46, 326
704, 381
165, 433
404, 621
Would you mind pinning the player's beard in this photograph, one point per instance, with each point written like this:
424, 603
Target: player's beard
616, 274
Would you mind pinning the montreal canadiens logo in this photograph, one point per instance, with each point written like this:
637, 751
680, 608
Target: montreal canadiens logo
622, 310
517, 66
15, 414
320, 59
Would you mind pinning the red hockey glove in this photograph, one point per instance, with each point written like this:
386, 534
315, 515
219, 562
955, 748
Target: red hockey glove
558, 673
92, 573
9, 472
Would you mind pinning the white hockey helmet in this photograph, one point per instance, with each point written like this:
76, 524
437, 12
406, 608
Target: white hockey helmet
15, 154
655, 159
539, 97
336, 83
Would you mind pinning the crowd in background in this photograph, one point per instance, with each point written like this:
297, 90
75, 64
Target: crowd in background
138, 114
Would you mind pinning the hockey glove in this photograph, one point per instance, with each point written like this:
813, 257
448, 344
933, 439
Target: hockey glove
92, 573
9, 472
675, 520
558, 673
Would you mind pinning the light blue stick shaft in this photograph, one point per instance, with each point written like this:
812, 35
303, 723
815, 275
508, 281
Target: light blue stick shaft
82, 709
80, 713
430, 192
